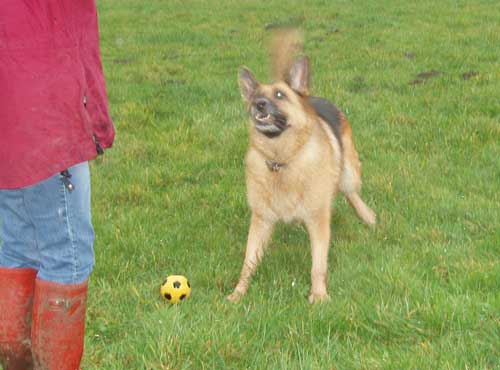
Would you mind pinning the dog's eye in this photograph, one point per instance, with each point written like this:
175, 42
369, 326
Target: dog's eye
280, 94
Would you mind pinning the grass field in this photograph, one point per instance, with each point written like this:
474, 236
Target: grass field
422, 291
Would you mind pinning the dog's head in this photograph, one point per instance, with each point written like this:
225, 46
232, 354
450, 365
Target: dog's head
278, 107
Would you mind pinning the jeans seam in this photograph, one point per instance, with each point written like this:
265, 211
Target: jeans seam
70, 231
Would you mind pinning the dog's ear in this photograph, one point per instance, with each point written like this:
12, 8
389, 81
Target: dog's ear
299, 75
248, 84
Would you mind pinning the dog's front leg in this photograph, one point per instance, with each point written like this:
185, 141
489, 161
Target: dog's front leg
258, 235
318, 227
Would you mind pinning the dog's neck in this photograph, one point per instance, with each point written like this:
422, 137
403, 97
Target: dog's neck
274, 161
279, 152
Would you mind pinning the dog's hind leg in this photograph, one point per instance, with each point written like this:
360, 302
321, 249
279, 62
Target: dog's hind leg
258, 236
350, 182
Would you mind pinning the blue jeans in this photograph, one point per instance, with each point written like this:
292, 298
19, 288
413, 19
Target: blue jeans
48, 228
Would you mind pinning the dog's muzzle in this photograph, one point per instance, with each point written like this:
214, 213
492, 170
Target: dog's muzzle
267, 117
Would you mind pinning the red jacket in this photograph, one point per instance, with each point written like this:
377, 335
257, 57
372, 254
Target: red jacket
53, 103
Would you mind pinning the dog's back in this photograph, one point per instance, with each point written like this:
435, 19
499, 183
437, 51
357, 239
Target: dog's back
329, 113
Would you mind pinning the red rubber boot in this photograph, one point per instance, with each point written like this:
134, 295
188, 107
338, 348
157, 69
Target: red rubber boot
16, 302
58, 325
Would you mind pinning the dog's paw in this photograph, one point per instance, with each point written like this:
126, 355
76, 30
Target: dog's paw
317, 298
234, 296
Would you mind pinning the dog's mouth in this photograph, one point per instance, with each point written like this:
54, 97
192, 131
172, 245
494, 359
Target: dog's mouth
271, 124
263, 118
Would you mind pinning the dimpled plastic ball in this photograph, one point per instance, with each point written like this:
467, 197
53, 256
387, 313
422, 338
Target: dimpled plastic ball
175, 288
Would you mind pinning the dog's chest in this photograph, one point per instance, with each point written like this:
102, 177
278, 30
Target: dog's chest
280, 195
295, 189
288, 198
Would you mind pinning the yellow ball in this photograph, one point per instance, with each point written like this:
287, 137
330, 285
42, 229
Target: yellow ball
175, 288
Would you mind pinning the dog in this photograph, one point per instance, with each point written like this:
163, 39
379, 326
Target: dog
301, 153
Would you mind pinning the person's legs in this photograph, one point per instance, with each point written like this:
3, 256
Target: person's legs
47, 228
65, 243
63, 227
18, 268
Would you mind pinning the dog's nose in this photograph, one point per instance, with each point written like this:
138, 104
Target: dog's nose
261, 104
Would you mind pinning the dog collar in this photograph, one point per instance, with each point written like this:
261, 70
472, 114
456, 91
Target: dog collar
274, 166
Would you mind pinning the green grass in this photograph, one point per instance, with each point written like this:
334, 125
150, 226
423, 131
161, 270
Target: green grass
422, 291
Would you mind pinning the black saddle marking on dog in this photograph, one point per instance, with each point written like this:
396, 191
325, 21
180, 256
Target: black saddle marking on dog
329, 113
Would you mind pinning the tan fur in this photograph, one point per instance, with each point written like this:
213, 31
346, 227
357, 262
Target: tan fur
315, 167
350, 183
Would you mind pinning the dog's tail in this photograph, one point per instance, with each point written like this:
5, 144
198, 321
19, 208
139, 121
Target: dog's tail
284, 45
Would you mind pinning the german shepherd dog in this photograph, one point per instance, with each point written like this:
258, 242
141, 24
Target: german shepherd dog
301, 153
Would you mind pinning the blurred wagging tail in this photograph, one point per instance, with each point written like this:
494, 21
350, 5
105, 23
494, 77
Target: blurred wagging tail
301, 153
